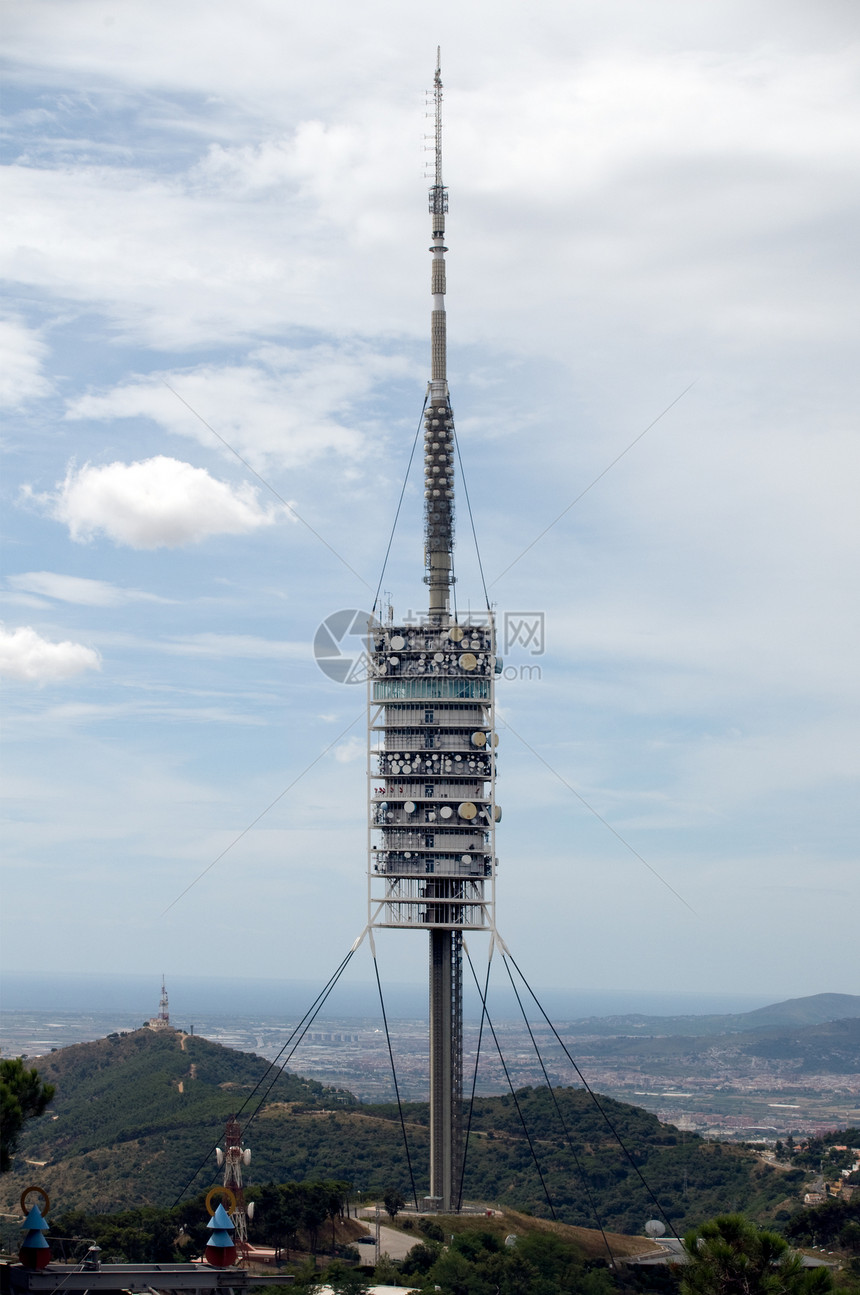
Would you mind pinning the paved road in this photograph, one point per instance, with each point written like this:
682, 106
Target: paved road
391, 1242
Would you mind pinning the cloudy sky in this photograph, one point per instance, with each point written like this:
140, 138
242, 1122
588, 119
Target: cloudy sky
214, 338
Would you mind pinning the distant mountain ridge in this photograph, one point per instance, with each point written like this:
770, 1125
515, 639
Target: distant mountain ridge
831, 1048
817, 1009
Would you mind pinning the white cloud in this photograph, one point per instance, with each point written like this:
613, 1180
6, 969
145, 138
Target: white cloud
289, 406
79, 590
235, 645
351, 749
156, 503
24, 654
21, 356
706, 192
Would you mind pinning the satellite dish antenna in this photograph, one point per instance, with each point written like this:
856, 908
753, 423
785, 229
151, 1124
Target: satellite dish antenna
654, 1228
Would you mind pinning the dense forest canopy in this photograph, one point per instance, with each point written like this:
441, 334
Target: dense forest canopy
136, 1119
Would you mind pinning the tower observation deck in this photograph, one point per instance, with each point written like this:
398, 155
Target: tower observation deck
431, 755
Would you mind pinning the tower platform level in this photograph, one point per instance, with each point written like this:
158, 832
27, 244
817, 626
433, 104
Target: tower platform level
432, 767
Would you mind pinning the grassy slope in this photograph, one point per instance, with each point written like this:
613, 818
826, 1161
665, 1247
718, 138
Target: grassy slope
506, 1222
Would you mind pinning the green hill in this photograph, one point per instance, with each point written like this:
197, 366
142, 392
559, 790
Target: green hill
134, 1113
137, 1116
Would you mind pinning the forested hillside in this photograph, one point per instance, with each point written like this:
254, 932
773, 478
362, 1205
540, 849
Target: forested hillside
136, 1119
690, 1178
134, 1112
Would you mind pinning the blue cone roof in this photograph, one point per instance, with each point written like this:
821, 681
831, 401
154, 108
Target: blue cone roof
34, 1241
220, 1219
35, 1220
220, 1241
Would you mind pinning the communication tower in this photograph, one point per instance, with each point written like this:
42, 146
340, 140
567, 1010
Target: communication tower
162, 1020
233, 1157
163, 1013
431, 753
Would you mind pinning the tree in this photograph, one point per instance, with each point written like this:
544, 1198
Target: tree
279, 1214
393, 1200
315, 1211
23, 1096
344, 1280
731, 1256
386, 1273
336, 1196
420, 1259
849, 1237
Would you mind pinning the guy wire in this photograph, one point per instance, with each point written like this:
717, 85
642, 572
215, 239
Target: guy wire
396, 1085
312, 1013
579, 1169
399, 506
474, 1081
594, 1098
513, 1094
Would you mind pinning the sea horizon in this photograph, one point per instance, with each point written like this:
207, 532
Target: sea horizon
138, 995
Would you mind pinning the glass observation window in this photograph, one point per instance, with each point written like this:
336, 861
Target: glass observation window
405, 689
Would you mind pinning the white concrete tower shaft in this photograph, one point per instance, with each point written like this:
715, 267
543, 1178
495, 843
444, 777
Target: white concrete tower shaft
431, 755
446, 946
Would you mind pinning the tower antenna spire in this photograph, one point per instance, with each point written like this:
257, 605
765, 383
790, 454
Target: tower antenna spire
439, 493
437, 112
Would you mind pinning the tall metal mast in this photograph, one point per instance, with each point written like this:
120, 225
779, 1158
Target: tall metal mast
431, 755
439, 511
163, 1010
233, 1157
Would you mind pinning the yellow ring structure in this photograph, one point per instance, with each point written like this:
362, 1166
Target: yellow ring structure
44, 1195
220, 1191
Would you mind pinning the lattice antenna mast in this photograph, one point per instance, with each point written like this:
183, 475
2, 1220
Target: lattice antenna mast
438, 188
233, 1157
439, 470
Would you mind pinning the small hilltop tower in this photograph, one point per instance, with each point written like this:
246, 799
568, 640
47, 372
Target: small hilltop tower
233, 1157
431, 754
162, 1020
